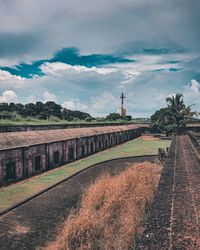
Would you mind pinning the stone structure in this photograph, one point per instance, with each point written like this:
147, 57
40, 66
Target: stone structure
23, 154
122, 108
20, 128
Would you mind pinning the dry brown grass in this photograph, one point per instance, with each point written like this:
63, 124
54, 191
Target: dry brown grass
111, 211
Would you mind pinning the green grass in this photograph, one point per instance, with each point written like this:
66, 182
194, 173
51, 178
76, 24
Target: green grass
34, 121
15, 193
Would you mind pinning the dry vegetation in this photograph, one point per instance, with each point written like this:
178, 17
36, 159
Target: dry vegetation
111, 211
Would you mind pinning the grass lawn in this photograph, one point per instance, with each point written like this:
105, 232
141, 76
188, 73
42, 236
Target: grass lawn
34, 121
17, 192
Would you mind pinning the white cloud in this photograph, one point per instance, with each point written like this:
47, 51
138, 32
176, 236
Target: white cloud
171, 95
75, 104
8, 96
31, 99
47, 96
195, 86
5, 75
191, 93
145, 64
129, 77
104, 103
69, 105
59, 67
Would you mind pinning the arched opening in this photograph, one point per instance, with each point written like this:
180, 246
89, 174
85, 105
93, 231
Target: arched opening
91, 148
10, 171
99, 145
82, 150
106, 143
71, 154
37, 163
116, 139
56, 157
111, 141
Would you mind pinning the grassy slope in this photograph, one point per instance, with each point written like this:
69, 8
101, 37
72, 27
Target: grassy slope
17, 192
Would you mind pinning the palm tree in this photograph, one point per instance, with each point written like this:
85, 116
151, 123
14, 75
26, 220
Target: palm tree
161, 121
178, 112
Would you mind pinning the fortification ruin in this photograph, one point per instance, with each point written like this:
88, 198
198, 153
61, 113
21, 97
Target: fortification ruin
24, 154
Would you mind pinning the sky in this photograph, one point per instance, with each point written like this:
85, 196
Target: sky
84, 54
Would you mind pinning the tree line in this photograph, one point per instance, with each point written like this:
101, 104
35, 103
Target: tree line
41, 111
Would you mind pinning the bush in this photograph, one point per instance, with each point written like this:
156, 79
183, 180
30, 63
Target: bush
17, 118
54, 119
89, 119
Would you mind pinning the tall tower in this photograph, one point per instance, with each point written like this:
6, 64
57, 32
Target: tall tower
122, 108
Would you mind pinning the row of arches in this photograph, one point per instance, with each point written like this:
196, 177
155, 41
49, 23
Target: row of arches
21, 163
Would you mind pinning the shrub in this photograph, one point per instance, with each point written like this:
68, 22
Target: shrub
54, 119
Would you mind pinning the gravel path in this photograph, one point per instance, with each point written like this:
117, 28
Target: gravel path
36, 222
174, 219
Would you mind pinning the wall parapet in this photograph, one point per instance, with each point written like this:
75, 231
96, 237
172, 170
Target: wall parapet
20, 128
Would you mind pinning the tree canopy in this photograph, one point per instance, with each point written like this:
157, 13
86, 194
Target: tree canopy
43, 111
174, 116
113, 116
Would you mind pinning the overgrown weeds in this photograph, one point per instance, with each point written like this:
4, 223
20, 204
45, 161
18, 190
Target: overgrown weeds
111, 211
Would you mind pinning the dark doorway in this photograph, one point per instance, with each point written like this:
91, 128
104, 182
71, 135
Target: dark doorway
71, 154
10, 170
82, 150
37, 162
56, 157
91, 148
111, 142
99, 144
106, 143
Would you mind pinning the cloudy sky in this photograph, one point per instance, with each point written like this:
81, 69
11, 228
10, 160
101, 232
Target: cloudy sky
83, 54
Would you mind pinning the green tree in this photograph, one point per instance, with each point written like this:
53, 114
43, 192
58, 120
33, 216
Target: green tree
178, 112
161, 121
41, 110
113, 116
30, 110
174, 116
4, 106
39, 106
70, 115
12, 107
52, 109
20, 109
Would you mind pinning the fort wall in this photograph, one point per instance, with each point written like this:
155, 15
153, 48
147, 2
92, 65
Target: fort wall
20, 128
26, 154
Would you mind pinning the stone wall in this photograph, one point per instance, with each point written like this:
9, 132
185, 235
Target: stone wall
19, 128
195, 139
23, 162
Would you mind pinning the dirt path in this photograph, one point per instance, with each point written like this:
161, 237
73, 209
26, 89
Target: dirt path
174, 220
37, 221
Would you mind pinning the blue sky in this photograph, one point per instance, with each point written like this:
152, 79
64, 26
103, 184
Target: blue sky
83, 54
